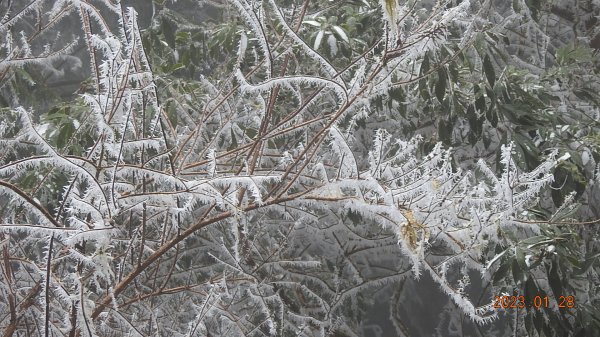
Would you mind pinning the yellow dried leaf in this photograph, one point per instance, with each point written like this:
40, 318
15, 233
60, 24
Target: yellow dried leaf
390, 7
409, 235
410, 230
435, 184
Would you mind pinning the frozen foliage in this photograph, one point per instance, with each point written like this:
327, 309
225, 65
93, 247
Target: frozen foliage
248, 218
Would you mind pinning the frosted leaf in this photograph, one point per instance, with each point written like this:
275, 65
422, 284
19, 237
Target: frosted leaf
212, 163
340, 31
318, 39
344, 153
243, 44
332, 42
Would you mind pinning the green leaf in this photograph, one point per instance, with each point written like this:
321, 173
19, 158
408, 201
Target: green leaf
424, 89
492, 117
531, 290
571, 54
172, 113
312, 23
587, 95
453, 70
491, 95
535, 241
65, 134
529, 325
539, 213
440, 86
589, 261
518, 274
445, 131
538, 322
425, 65
487, 141
554, 279
170, 68
488, 68
501, 273
234, 142
183, 37
251, 132
528, 150
24, 75
520, 258
169, 33
479, 99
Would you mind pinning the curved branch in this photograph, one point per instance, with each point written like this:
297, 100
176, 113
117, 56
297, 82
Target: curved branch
31, 201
